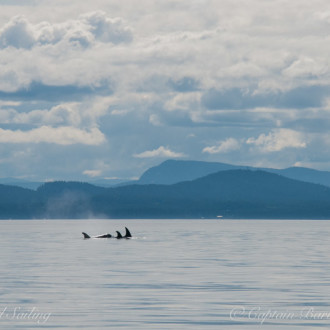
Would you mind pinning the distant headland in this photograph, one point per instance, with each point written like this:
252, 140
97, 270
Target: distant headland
179, 189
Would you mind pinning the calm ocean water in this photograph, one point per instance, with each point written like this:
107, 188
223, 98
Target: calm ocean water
174, 274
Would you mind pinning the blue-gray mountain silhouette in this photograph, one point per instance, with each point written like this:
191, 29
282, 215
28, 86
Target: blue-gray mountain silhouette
174, 171
239, 193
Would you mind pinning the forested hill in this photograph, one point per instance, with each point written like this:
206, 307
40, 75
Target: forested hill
231, 193
174, 171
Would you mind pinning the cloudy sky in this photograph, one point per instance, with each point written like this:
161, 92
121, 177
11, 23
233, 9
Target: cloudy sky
108, 88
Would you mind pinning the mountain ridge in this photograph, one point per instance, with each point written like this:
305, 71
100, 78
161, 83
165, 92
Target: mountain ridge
174, 171
239, 193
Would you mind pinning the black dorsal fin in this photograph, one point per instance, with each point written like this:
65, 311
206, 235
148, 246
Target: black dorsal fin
128, 234
86, 235
119, 235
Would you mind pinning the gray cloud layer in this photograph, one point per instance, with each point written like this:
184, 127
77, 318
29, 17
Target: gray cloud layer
118, 89
296, 98
85, 30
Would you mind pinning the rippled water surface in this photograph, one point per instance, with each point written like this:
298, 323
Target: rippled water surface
174, 274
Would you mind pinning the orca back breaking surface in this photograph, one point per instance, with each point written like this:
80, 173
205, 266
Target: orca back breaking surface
119, 235
99, 236
103, 236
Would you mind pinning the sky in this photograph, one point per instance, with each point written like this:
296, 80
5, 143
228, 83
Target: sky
99, 89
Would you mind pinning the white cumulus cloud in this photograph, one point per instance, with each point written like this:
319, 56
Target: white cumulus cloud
58, 135
306, 67
92, 173
63, 114
160, 152
107, 29
17, 33
278, 139
83, 31
227, 145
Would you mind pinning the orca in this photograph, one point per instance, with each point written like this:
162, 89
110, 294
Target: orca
119, 235
99, 236
103, 236
127, 234
86, 235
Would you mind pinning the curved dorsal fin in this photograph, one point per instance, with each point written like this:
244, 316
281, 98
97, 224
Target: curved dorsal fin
119, 235
86, 235
127, 234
